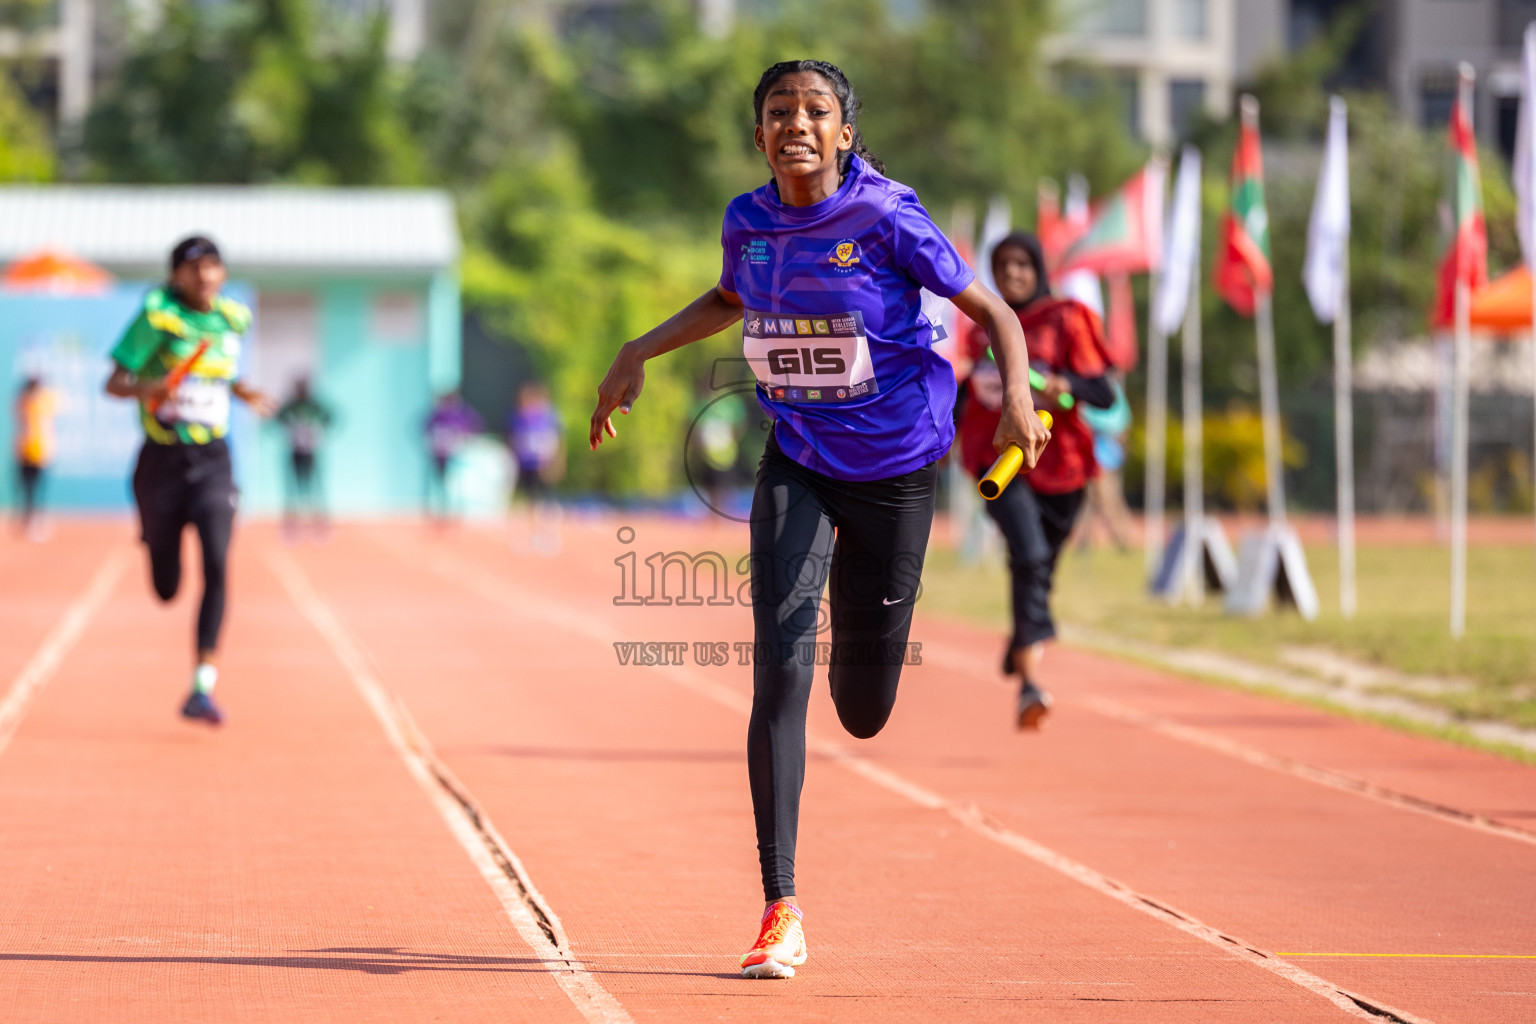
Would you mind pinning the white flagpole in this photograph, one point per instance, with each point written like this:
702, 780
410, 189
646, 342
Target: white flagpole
1525, 188
1155, 489
1344, 440
1269, 407
1156, 448
1194, 478
1269, 391
1460, 397
1326, 274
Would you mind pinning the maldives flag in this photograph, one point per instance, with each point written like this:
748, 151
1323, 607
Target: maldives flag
1242, 266
1466, 255
1120, 340
1125, 229
1056, 231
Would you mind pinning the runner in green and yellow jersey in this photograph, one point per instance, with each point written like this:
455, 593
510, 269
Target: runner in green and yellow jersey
180, 359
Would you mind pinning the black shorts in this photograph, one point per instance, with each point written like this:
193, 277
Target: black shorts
177, 484
303, 465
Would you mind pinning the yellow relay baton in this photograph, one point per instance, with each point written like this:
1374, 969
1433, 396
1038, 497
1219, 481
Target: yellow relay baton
1007, 466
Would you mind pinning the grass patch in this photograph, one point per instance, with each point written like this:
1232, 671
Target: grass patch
1402, 622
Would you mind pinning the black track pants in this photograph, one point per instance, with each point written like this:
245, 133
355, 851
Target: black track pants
868, 540
1036, 527
180, 484
31, 476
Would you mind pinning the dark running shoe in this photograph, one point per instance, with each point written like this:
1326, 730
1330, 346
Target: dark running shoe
201, 706
1034, 703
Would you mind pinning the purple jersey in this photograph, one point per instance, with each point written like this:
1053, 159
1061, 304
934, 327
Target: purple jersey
833, 325
535, 433
449, 425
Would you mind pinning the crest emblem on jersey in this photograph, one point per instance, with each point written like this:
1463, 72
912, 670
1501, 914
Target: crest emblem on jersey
846, 254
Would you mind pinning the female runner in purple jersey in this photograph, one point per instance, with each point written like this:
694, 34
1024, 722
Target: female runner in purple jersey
824, 266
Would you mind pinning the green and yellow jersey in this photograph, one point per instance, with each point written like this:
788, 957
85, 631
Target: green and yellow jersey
164, 335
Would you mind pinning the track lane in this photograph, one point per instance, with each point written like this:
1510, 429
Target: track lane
1309, 869
282, 869
621, 782
38, 582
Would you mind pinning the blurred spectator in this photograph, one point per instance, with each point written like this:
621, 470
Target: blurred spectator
35, 409
1106, 492
537, 440
1036, 513
305, 420
449, 425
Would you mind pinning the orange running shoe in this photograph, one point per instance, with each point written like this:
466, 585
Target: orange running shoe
780, 946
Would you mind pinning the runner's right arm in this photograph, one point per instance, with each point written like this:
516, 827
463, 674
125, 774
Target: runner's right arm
704, 317
123, 384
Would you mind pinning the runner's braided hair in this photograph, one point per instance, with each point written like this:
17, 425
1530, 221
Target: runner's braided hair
846, 100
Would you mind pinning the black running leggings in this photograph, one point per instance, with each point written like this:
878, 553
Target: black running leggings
31, 480
868, 539
180, 484
1036, 527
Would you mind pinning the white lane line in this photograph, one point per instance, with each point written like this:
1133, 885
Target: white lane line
526, 908
36, 673
495, 589
1219, 744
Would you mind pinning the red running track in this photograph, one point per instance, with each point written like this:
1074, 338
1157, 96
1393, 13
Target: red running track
442, 797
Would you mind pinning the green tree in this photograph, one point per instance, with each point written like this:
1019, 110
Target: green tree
25, 152
253, 90
573, 284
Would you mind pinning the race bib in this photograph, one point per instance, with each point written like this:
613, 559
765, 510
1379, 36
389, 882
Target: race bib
203, 401
809, 359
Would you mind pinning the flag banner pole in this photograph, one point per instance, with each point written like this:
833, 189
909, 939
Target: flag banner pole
1271, 563
1269, 406
1155, 493
1468, 202
1525, 190
1194, 441
1156, 449
1460, 394
1344, 441
1326, 276
1533, 390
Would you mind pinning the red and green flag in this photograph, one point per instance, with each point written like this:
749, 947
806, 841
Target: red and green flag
1242, 266
1124, 231
1466, 254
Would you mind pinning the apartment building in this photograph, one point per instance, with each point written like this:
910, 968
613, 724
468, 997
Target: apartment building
1173, 58
1170, 59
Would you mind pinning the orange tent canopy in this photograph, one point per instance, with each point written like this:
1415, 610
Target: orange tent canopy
56, 273
1504, 304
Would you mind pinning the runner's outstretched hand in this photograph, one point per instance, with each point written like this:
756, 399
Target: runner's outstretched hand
620, 387
708, 314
